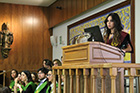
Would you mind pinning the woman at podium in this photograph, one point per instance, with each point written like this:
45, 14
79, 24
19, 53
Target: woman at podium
114, 34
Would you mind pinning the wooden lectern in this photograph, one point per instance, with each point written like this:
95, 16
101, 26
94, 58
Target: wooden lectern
91, 53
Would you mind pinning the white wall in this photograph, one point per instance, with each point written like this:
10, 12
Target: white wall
137, 30
61, 30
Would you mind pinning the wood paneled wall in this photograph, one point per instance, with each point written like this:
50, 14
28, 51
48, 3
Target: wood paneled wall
31, 44
70, 8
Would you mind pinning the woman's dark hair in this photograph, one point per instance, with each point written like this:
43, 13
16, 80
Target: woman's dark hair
48, 62
50, 70
118, 27
43, 70
16, 73
28, 74
36, 78
58, 62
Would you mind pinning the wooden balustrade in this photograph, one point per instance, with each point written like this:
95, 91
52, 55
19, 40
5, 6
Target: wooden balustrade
83, 78
4, 76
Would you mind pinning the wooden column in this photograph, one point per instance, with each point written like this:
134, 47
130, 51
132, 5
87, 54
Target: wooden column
103, 75
65, 73
54, 80
86, 87
59, 73
132, 73
113, 74
78, 73
71, 73
94, 75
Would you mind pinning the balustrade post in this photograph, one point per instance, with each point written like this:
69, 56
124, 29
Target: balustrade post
131, 84
139, 83
103, 74
113, 74
94, 75
78, 73
132, 73
86, 73
59, 73
121, 73
65, 73
54, 80
71, 73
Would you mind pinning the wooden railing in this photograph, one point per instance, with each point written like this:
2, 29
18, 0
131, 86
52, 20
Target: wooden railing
86, 78
4, 76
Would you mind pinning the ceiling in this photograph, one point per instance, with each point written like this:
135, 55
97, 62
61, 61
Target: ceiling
30, 2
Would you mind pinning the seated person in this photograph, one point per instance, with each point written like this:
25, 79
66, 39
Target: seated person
14, 74
57, 62
50, 79
43, 85
35, 78
5, 90
48, 63
28, 87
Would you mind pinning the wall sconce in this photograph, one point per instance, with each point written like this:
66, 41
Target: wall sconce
53, 40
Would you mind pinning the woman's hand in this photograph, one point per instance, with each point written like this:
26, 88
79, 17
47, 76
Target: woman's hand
19, 86
16, 80
128, 49
15, 88
124, 50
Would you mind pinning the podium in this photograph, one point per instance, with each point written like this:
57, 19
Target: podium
91, 53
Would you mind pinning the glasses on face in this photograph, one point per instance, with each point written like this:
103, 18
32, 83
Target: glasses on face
40, 73
48, 75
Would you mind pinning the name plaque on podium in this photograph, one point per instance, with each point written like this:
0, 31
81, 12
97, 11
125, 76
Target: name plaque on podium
91, 53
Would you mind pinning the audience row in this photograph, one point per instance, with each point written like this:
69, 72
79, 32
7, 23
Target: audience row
32, 82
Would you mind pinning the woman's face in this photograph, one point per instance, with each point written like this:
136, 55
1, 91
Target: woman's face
41, 75
19, 77
13, 74
23, 77
50, 76
33, 77
55, 63
110, 23
62, 77
44, 62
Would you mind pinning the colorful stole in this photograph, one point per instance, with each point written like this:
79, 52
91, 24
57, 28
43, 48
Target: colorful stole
30, 83
47, 91
12, 85
123, 35
41, 87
